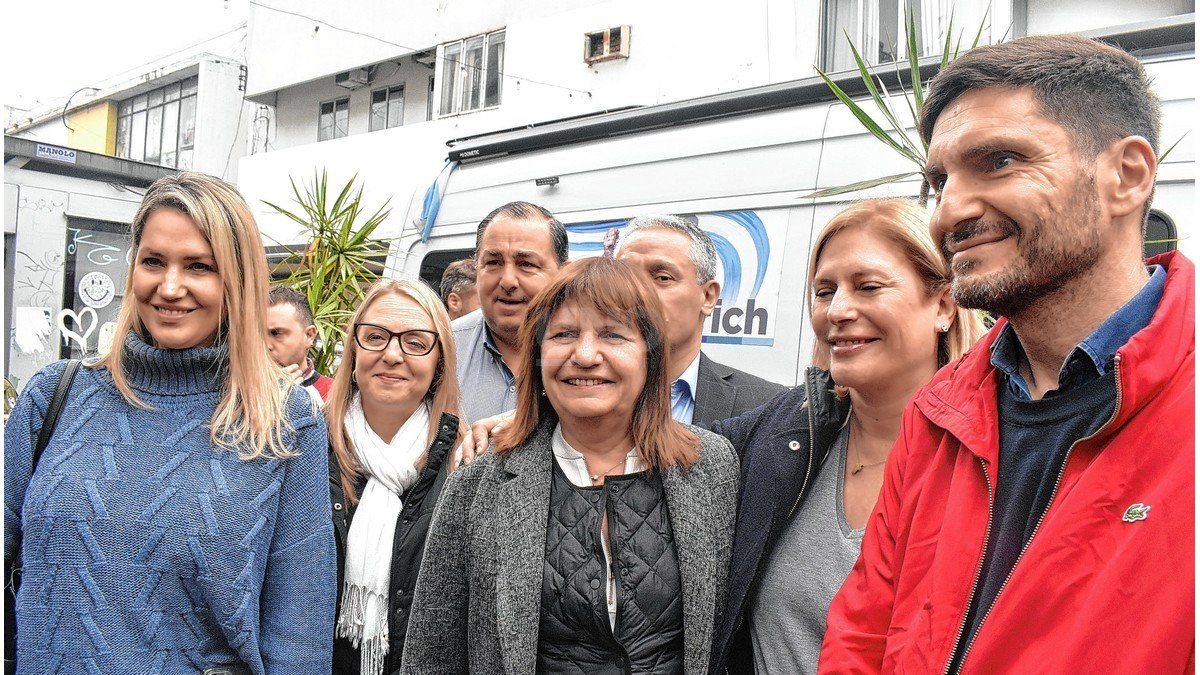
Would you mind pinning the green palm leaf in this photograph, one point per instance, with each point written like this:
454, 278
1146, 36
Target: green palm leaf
336, 266
860, 185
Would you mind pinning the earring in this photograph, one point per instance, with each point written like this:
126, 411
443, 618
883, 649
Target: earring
943, 328
353, 379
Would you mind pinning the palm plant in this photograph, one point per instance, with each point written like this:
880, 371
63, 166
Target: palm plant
896, 135
338, 264
891, 131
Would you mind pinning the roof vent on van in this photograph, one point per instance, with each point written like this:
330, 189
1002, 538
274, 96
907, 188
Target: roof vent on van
606, 45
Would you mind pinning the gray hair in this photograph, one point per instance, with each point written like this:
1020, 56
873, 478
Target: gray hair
702, 252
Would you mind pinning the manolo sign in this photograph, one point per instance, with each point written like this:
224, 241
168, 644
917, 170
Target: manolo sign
55, 153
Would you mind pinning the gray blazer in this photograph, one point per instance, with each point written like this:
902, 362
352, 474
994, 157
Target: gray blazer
476, 607
723, 392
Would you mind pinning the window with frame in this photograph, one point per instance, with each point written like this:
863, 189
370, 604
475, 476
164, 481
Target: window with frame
334, 119
387, 108
470, 73
876, 28
159, 126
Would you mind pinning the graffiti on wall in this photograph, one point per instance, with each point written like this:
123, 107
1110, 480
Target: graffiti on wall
36, 277
31, 329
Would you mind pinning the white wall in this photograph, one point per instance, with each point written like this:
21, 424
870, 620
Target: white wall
285, 50
298, 107
222, 119
677, 51
1062, 16
51, 131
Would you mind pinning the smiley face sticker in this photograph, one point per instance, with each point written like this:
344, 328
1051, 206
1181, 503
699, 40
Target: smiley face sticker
97, 289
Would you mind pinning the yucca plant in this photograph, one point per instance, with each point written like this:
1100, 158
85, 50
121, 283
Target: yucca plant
891, 131
336, 266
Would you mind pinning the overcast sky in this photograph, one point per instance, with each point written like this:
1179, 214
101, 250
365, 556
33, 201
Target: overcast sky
53, 47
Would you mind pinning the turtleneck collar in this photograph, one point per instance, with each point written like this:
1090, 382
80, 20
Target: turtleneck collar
174, 372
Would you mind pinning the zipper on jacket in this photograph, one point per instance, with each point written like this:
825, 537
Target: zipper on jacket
1037, 526
987, 534
808, 469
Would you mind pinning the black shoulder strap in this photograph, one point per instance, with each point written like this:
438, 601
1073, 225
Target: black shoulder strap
56, 403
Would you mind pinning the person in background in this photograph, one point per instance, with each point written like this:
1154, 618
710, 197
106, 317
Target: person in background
609, 245
1037, 514
393, 421
596, 537
680, 263
813, 458
458, 288
176, 521
519, 248
291, 333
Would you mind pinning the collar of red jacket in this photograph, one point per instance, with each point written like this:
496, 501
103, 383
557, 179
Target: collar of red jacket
961, 398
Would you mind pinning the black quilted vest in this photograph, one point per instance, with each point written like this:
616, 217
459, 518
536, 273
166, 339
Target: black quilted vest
575, 635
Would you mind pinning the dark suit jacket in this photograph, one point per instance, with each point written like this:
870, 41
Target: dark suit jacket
723, 392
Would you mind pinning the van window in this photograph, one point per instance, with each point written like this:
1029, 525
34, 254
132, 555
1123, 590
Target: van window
436, 262
1161, 235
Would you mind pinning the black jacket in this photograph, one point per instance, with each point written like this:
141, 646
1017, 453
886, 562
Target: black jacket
408, 546
723, 392
780, 443
574, 635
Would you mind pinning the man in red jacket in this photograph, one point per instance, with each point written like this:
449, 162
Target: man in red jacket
1037, 509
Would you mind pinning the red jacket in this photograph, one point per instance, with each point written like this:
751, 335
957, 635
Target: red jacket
1092, 592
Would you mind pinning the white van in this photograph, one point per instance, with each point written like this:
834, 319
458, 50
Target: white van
740, 163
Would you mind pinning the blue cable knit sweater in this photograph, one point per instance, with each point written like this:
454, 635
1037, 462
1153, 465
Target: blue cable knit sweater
148, 550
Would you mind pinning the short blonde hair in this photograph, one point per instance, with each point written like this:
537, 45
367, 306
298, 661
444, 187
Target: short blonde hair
904, 223
251, 414
443, 395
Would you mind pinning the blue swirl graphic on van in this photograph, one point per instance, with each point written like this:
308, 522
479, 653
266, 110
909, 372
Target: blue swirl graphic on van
753, 225
587, 239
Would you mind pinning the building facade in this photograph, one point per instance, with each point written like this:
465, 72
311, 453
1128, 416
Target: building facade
376, 90
185, 113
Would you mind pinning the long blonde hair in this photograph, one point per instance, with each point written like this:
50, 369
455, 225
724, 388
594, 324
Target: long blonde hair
251, 414
904, 223
442, 394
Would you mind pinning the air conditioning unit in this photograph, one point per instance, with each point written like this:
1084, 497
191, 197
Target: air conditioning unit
606, 45
353, 79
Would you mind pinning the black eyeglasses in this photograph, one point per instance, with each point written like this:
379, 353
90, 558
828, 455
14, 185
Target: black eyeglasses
374, 338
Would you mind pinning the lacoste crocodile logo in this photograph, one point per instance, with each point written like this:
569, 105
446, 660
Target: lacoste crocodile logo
1136, 512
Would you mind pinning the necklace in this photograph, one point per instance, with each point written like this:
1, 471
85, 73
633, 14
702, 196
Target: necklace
597, 476
860, 466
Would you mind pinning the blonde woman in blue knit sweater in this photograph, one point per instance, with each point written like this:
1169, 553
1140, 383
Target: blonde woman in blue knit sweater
178, 518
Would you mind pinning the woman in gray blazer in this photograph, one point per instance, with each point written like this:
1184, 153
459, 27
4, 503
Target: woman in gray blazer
596, 536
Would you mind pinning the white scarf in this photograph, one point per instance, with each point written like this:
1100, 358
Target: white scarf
391, 469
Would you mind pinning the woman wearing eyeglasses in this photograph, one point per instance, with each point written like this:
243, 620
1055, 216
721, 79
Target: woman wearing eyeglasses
393, 420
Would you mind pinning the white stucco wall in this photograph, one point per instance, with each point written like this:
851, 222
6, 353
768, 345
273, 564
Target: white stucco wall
298, 107
222, 118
